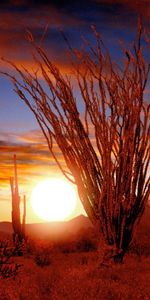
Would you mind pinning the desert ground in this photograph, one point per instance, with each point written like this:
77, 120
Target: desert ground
69, 269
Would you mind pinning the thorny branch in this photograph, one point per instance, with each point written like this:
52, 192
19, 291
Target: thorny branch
106, 149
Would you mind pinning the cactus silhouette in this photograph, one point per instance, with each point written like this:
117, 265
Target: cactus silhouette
105, 147
18, 228
24, 217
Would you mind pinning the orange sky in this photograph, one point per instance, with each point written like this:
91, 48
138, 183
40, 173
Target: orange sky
34, 164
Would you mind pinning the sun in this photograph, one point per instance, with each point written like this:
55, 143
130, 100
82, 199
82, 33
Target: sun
53, 199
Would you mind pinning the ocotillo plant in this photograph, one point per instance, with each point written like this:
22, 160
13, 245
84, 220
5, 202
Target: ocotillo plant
18, 228
99, 119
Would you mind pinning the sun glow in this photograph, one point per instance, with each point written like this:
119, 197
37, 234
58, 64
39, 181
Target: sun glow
54, 199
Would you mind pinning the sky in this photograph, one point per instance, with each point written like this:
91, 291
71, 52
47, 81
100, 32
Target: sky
116, 20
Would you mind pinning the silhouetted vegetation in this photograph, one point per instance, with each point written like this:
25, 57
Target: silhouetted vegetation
49, 272
7, 267
42, 258
18, 227
111, 173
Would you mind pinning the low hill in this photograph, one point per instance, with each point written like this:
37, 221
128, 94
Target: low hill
69, 228
51, 229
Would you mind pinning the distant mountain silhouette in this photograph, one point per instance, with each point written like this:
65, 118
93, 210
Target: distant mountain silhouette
69, 228
51, 229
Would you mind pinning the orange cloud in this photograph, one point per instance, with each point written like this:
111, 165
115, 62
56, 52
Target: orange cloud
33, 156
34, 164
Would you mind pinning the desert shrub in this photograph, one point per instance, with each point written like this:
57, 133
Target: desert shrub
42, 258
9, 270
7, 267
6, 252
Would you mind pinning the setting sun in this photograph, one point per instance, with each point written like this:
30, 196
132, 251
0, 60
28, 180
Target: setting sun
53, 199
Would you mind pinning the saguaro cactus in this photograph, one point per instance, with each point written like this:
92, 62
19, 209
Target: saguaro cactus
24, 216
18, 228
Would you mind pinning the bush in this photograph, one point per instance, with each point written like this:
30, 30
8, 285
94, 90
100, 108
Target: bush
7, 267
42, 258
9, 270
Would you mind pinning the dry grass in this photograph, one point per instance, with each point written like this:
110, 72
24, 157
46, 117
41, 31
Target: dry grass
78, 276
69, 270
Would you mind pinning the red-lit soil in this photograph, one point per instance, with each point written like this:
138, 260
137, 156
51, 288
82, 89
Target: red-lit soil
77, 276
69, 270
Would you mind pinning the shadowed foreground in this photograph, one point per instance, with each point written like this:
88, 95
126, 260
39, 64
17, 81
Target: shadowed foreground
68, 269
76, 276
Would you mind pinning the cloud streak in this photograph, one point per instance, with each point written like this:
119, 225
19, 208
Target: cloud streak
73, 17
33, 156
